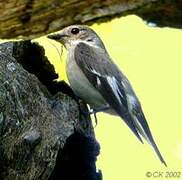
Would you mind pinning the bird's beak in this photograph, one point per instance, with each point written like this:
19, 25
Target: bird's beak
57, 36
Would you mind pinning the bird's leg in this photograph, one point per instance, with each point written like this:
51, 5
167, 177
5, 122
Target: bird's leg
94, 111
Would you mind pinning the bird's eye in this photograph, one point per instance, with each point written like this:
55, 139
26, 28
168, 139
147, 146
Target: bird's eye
75, 31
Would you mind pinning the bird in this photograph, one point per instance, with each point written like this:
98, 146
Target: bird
96, 79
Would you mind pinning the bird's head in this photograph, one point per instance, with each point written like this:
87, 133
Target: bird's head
72, 35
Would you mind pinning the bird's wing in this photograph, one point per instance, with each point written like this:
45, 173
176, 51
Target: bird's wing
106, 78
115, 88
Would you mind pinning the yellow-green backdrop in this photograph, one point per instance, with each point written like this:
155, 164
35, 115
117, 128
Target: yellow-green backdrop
152, 60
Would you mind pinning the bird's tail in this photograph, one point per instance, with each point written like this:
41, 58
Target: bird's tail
143, 129
158, 152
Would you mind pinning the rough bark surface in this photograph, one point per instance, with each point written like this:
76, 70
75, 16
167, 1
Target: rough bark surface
42, 134
30, 18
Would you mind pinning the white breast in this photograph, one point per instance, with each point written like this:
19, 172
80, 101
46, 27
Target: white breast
80, 84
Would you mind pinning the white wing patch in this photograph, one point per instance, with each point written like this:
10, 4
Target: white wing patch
98, 81
95, 72
131, 102
113, 84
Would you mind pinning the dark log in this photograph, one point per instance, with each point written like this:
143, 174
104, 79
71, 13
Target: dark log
30, 18
43, 135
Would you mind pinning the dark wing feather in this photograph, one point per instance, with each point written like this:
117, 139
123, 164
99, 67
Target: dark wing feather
97, 65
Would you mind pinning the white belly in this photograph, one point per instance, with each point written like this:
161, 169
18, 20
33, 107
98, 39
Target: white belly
82, 87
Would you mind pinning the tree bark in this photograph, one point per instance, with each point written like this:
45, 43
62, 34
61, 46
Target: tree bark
43, 135
30, 18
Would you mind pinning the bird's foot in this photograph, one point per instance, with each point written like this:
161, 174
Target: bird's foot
94, 111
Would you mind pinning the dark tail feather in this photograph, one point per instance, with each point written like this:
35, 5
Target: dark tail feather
157, 151
145, 126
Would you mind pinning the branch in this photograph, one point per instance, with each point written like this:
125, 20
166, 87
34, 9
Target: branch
19, 18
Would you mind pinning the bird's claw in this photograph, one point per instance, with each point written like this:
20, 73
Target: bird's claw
94, 112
